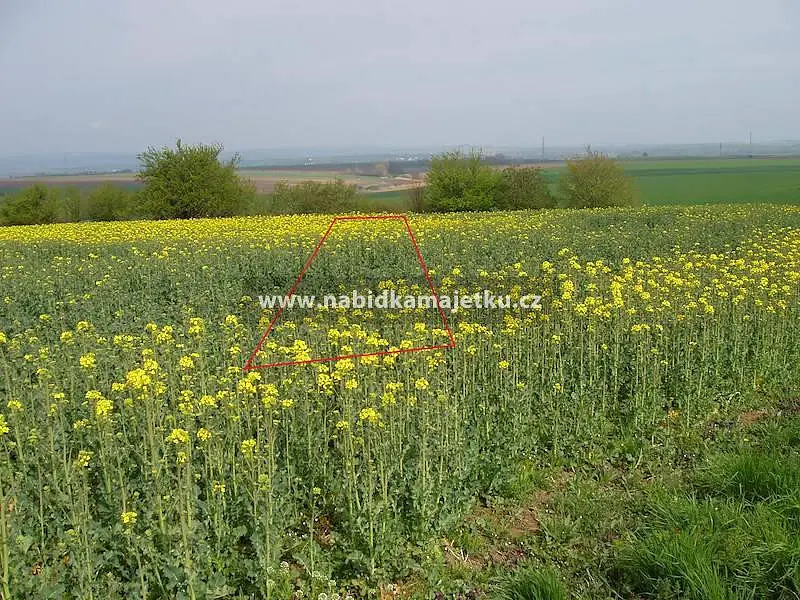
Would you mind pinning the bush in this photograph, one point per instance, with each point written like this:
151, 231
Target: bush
36, 204
597, 181
523, 188
190, 181
416, 199
314, 197
110, 203
459, 182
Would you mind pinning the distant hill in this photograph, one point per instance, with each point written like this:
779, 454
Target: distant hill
86, 163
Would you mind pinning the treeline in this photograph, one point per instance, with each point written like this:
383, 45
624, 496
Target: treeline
42, 204
190, 181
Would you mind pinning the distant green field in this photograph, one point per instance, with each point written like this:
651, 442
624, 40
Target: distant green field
396, 198
711, 181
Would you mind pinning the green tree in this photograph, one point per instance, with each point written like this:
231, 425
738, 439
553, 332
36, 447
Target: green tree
191, 181
597, 181
460, 182
523, 188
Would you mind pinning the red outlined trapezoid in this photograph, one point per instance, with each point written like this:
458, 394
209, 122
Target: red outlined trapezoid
249, 364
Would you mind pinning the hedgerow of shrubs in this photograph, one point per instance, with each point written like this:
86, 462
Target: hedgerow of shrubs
40, 204
191, 181
465, 182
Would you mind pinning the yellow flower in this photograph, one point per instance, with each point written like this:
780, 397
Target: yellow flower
270, 395
138, 379
208, 401
14, 405
103, 408
88, 361
340, 425
186, 363
503, 365
324, 380
344, 366
287, 403
248, 447
203, 434
196, 326
178, 436
369, 415
3, 425
84, 457
421, 384
129, 518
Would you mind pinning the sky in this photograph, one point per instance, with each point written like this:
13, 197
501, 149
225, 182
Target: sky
121, 75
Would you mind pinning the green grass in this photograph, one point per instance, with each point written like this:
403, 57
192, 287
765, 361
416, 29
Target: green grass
738, 538
534, 584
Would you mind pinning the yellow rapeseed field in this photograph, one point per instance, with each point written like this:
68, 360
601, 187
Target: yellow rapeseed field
138, 458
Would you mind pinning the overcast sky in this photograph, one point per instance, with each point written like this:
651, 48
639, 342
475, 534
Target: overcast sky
119, 75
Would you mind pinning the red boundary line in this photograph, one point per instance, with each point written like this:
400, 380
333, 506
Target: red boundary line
248, 365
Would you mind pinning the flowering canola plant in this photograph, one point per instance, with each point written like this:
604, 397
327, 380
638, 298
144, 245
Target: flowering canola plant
138, 458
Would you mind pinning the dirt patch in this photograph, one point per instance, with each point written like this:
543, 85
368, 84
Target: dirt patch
524, 523
790, 406
502, 532
750, 417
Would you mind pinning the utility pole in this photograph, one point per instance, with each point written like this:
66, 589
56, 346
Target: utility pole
720, 148
542, 147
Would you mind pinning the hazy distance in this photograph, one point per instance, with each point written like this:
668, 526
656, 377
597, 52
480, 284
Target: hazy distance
99, 76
